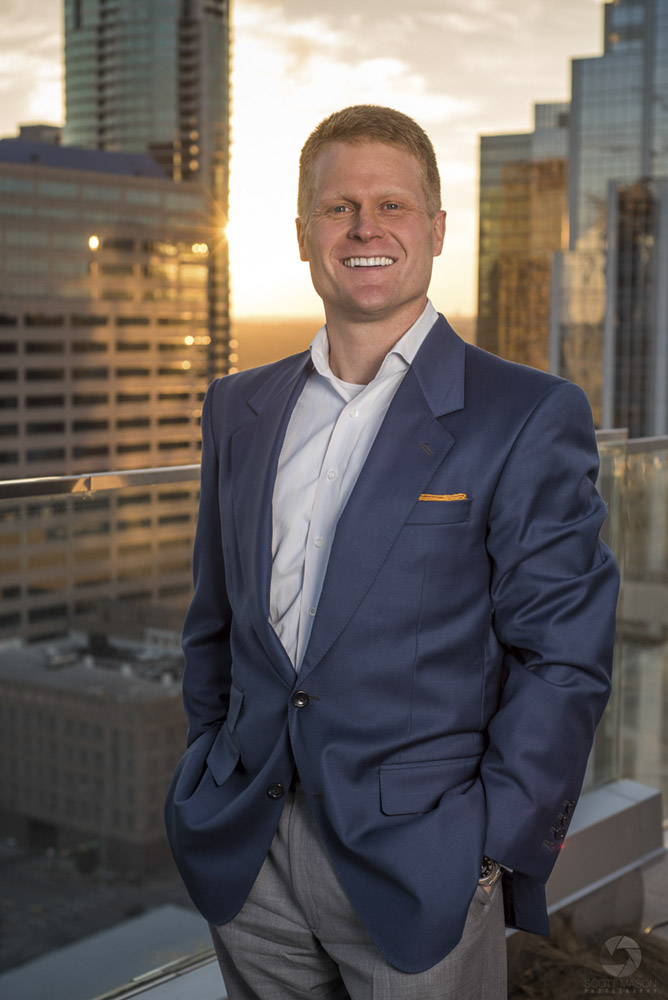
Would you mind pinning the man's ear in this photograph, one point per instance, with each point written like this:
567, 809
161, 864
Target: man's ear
438, 232
300, 239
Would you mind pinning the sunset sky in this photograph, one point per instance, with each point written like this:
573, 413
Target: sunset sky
460, 69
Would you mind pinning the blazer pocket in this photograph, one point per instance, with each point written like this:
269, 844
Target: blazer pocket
418, 788
439, 512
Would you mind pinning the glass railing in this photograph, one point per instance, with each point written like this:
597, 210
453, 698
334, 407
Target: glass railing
95, 578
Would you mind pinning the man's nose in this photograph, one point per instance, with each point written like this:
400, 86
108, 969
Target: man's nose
366, 225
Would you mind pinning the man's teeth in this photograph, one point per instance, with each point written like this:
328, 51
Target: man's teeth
368, 261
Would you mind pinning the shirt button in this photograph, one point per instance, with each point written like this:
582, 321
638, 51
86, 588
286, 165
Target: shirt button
276, 791
319, 543
353, 413
332, 474
311, 611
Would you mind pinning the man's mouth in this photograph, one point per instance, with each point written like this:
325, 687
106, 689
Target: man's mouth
368, 261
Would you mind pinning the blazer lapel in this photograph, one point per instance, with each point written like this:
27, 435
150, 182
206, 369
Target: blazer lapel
408, 449
252, 490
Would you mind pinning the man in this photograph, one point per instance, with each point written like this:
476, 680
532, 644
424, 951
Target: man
400, 639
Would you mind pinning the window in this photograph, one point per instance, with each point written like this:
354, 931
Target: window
57, 189
132, 397
101, 192
45, 454
132, 345
90, 451
43, 319
44, 401
79, 320
45, 427
132, 321
90, 425
90, 373
90, 399
27, 238
132, 446
142, 196
45, 374
88, 347
116, 243
44, 347
133, 422
27, 265
15, 185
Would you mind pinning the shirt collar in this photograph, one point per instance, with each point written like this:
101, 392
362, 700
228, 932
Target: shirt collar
399, 357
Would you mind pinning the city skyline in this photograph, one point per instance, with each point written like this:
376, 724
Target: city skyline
460, 73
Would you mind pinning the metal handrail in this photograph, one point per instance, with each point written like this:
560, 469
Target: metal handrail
96, 482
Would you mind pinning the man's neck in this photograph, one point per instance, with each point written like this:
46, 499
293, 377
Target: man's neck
357, 349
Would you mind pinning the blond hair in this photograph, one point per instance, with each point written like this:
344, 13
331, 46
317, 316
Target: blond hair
369, 123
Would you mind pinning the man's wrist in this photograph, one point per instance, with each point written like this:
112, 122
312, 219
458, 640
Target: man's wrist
490, 872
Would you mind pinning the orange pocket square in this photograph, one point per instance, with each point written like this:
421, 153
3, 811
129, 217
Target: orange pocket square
443, 496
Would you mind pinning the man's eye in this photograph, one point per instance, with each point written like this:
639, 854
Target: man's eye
340, 209
391, 205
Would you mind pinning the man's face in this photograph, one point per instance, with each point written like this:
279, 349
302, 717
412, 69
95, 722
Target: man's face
369, 238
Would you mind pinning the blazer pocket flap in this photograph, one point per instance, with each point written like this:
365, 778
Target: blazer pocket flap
236, 701
418, 788
439, 512
223, 756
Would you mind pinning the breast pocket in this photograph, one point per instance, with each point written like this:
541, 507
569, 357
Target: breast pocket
440, 512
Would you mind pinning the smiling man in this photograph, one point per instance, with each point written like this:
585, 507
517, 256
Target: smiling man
400, 640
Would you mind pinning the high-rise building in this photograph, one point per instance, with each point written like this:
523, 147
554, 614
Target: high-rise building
523, 220
142, 76
103, 340
610, 313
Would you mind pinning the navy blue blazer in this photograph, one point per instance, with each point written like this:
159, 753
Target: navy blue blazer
459, 660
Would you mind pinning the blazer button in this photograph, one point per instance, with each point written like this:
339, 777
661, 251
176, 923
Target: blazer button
300, 699
559, 833
276, 791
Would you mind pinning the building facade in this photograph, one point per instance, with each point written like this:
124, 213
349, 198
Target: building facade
142, 76
609, 315
103, 339
523, 221
88, 749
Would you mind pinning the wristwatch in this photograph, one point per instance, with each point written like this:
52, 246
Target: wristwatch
490, 872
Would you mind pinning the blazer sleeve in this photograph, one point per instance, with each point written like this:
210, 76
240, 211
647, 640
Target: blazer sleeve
554, 592
206, 631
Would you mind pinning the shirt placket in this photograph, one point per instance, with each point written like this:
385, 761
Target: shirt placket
333, 481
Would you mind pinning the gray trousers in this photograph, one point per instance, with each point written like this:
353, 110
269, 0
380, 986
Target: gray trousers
298, 936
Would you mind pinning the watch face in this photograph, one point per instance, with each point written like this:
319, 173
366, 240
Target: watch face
487, 867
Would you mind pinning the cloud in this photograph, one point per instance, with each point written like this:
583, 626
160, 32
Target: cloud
30, 63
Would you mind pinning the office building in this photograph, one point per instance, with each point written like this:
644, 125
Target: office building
89, 746
610, 314
523, 220
153, 77
103, 338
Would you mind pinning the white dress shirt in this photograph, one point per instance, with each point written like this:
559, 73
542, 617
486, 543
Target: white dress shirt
328, 438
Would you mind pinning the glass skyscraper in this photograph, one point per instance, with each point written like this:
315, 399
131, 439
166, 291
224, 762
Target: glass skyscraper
610, 314
523, 221
149, 76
